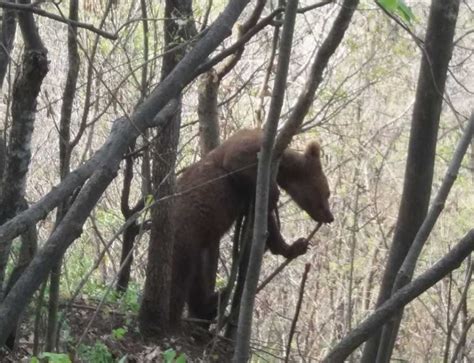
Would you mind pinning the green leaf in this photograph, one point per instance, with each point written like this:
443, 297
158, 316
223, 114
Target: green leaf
181, 359
119, 333
389, 5
34, 360
149, 200
169, 355
398, 7
55, 357
405, 11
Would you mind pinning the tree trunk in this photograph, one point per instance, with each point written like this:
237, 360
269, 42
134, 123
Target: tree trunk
422, 146
6, 40
264, 176
207, 112
25, 91
154, 315
12, 199
29, 245
131, 231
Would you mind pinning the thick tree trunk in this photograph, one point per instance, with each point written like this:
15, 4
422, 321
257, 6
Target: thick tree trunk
12, 199
154, 311
422, 146
25, 92
154, 315
29, 245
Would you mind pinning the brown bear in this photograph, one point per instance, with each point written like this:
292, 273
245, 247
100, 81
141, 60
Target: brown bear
213, 192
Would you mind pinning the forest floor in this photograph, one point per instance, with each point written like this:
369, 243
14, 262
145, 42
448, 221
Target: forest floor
107, 335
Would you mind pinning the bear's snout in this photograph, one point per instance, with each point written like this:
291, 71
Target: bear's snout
329, 218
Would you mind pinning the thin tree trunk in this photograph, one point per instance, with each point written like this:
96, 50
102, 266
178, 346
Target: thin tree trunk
422, 146
264, 175
305, 99
241, 262
29, 245
207, 112
65, 150
297, 312
6, 40
131, 231
209, 130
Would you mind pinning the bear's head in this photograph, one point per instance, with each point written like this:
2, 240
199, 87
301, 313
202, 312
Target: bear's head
302, 177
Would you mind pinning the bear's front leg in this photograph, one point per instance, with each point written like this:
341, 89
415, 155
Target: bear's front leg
277, 244
299, 247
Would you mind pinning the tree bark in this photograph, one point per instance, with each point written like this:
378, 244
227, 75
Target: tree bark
154, 311
207, 112
422, 146
131, 232
65, 150
25, 92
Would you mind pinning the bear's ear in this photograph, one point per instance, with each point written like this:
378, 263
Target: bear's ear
313, 150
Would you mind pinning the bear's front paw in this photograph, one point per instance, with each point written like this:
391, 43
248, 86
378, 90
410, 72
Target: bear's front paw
299, 247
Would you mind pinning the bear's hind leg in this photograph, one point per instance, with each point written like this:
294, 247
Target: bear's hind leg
203, 300
184, 268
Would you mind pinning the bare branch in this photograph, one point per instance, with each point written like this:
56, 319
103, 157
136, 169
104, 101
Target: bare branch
407, 269
35, 10
318, 67
297, 311
401, 298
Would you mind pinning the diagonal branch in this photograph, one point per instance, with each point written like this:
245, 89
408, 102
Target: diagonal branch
405, 273
401, 298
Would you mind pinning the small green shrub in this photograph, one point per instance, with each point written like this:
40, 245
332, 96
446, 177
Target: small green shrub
98, 353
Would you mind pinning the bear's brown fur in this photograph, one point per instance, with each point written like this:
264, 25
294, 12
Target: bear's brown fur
214, 192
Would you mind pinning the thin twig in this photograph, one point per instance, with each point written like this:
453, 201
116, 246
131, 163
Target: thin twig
297, 311
38, 11
462, 341
286, 262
